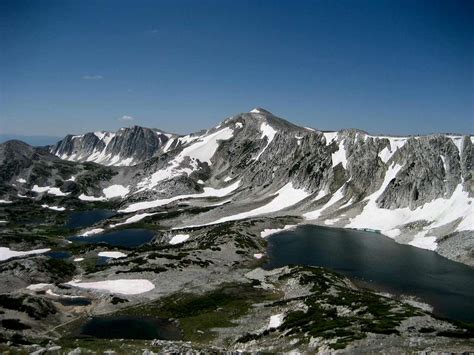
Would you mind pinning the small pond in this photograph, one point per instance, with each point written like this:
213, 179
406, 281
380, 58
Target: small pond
130, 327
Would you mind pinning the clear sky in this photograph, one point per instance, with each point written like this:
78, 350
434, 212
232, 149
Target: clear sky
395, 67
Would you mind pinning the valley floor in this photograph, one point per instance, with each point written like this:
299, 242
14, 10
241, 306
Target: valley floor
208, 291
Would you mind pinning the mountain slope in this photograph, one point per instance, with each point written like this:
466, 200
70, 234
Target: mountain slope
418, 190
128, 146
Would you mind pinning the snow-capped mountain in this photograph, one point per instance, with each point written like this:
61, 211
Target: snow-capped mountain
128, 146
417, 190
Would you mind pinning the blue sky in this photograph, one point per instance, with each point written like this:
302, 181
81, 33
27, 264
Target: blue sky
395, 67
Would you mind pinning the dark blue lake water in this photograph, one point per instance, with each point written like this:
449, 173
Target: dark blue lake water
382, 263
130, 327
82, 219
129, 238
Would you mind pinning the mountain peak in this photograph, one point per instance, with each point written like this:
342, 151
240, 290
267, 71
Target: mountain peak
261, 111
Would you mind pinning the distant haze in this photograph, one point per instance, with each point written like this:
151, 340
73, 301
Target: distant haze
37, 141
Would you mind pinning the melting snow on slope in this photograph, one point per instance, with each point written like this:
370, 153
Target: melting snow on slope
116, 191
275, 321
112, 254
202, 148
84, 197
287, 196
338, 195
329, 136
339, 156
269, 231
179, 238
92, 232
395, 144
7, 253
269, 132
208, 192
50, 190
55, 208
440, 211
38, 287
122, 286
133, 219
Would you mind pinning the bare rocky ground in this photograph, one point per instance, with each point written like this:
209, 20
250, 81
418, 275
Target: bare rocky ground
211, 288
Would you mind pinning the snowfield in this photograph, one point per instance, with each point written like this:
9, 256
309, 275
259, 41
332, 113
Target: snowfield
116, 191
54, 208
179, 238
121, 286
275, 321
200, 148
267, 232
38, 287
92, 232
7, 253
90, 198
208, 192
269, 132
112, 254
136, 218
285, 197
50, 190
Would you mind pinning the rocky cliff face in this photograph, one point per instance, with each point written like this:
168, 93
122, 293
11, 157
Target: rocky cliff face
128, 146
417, 189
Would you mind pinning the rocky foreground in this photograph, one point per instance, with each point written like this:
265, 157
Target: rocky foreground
211, 290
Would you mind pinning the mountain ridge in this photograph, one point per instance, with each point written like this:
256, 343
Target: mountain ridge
417, 189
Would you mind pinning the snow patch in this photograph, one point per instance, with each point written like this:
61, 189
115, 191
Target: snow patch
112, 254
258, 256
340, 156
269, 132
208, 192
395, 144
38, 287
50, 190
202, 149
439, 212
179, 238
268, 232
7, 253
423, 242
275, 321
6, 201
329, 136
92, 232
84, 197
285, 197
55, 208
133, 219
121, 286
116, 191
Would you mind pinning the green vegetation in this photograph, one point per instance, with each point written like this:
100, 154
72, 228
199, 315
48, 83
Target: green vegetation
35, 307
199, 314
362, 311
